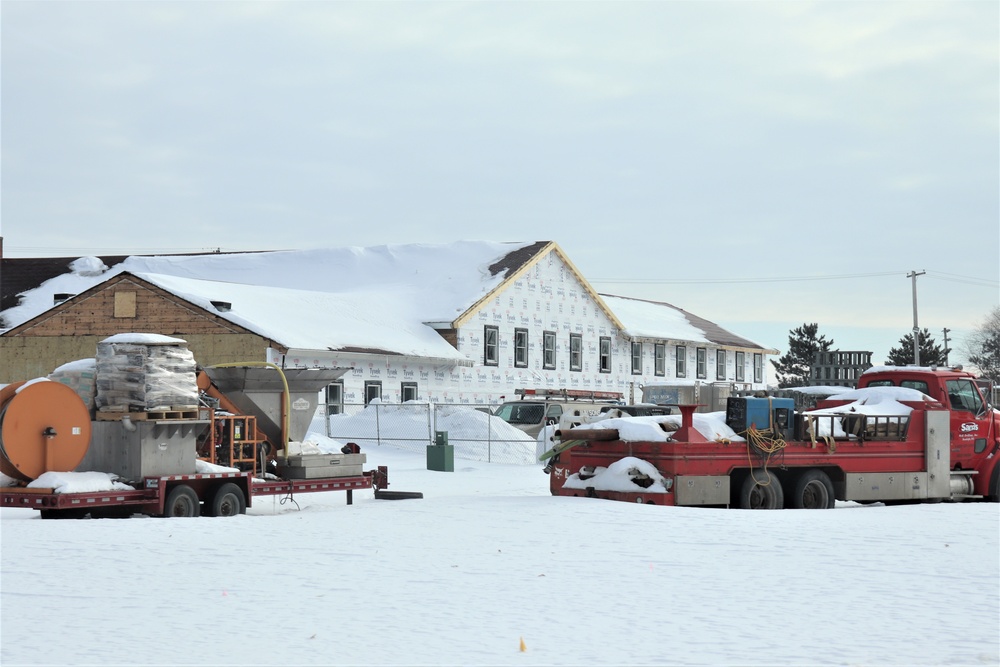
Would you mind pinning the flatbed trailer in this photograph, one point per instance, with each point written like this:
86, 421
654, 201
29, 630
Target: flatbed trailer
221, 494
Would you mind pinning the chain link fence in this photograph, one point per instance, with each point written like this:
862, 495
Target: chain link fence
472, 430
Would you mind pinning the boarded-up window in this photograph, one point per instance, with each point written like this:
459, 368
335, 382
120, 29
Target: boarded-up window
124, 304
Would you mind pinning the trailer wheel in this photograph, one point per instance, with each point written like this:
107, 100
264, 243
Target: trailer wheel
182, 501
761, 491
228, 501
813, 491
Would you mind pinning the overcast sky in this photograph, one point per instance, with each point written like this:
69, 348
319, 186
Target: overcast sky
759, 164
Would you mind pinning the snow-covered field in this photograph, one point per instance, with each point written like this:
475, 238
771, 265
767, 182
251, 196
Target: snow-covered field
487, 559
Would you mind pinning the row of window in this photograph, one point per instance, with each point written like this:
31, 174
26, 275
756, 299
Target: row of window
491, 356
491, 350
373, 390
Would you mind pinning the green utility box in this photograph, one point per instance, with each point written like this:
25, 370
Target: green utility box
441, 455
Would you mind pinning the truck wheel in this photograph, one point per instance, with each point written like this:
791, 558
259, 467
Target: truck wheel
228, 501
813, 491
182, 501
994, 490
761, 491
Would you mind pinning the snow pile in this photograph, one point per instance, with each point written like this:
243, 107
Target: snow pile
883, 396
79, 482
711, 425
469, 430
204, 467
87, 266
621, 476
873, 401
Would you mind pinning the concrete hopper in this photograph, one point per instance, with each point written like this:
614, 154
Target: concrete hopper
259, 391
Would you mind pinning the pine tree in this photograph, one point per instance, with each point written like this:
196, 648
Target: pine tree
931, 353
795, 366
983, 346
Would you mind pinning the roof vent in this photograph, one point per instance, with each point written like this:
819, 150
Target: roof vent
222, 306
60, 297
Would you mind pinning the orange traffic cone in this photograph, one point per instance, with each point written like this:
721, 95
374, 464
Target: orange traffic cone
523, 647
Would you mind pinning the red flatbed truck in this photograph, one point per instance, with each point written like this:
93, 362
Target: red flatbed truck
945, 449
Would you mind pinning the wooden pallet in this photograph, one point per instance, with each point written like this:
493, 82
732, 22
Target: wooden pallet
149, 415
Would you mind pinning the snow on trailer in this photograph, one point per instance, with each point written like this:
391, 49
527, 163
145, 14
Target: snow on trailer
234, 434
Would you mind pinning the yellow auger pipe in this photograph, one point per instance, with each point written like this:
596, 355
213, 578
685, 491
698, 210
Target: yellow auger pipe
286, 407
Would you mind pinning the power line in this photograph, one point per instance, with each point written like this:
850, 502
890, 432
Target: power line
721, 281
969, 280
966, 280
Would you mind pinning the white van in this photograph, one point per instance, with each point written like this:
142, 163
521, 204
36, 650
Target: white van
538, 408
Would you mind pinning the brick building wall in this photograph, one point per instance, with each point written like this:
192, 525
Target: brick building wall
72, 330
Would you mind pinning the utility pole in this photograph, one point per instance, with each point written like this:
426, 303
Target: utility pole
946, 330
916, 329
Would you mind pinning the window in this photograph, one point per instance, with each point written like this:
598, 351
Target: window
576, 352
758, 367
520, 348
740, 362
660, 359
335, 398
521, 413
491, 346
919, 385
681, 361
636, 358
548, 349
605, 354
373, 390
720, 364
701, 363
407, 392
553, 413
962, 395
124, 304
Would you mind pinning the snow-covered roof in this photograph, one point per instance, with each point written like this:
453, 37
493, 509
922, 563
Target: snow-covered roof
387, 321
656, 319
376, 299
382, 299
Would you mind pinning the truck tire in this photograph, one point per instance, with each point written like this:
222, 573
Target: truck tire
813, 491
761, 491
228, 500
994, 490
182, 501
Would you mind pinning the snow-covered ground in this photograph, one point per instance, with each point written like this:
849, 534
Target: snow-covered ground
487, 559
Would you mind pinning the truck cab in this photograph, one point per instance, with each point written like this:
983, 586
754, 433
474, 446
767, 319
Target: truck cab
974, 424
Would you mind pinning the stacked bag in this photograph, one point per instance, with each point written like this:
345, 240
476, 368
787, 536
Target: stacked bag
81, 377
140, 372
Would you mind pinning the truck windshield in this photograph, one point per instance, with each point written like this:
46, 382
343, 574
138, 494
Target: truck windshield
521, 413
